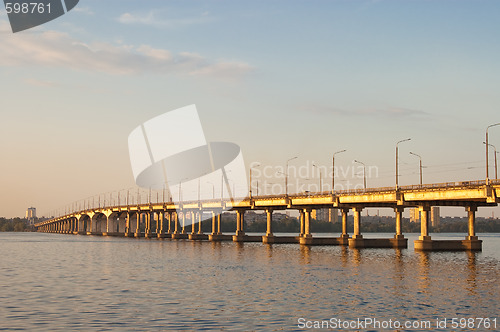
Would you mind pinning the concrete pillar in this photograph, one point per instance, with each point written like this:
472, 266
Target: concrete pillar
127, 224
345, 234
200, 214
176, 222
138, 225
424, 223
160, 224
302, 217
357, 223
169, 220
214, 224
240, 215
219, 223
183, 223
471, 211
108, 226
399, 216
269, 213
193, 222
150, 215
307, 223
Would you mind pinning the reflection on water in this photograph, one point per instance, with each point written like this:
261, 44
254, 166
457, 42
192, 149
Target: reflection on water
423, 260
65, 282
472, 275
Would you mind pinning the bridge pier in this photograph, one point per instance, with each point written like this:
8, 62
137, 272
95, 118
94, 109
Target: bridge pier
240, 220
147, 229
128, 232
177, 235
357, 240
93, 226
183, 231
399, 240
216, 234
269, 237
199, 235
345, 235
240, 235
471, 242
112, 224
306, 237
160, 225
169, 225
302, 218
138, 225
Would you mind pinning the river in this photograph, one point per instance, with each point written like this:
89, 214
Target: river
91, 283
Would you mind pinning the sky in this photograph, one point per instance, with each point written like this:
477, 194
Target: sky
281, 79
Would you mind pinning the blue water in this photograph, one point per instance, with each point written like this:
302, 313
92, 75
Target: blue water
92, 283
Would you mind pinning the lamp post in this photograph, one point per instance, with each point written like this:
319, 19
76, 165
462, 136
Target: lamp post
397, 175
333, 169
286, 175
496, 168
320, 178
364, 172
420, 165
250, 187
487, 159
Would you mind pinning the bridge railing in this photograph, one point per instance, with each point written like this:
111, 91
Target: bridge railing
460, 184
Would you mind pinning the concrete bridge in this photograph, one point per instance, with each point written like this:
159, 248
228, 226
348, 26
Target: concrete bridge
169, 219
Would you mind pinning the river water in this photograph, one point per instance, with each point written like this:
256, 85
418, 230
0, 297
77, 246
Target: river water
92, 283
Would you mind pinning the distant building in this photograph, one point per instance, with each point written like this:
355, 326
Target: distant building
31, 215
414, 215
434, 215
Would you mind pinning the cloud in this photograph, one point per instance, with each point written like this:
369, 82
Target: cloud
83, 10
390, 112
56, 49
157, 19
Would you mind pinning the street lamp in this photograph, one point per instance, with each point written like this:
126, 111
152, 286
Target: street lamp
364, 172
320, 178
496, 169
286, 175
250, 187
420, 165
487, 159
333, 170
397, 180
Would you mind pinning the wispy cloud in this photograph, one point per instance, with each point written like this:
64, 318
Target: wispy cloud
83, 10
157, 18
58, 49
389, 112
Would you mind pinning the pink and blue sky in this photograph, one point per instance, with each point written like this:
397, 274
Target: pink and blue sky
279, 78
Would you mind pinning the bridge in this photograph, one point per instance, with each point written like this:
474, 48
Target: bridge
168, 219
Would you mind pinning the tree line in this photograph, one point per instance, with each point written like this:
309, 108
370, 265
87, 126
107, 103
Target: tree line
13, 225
